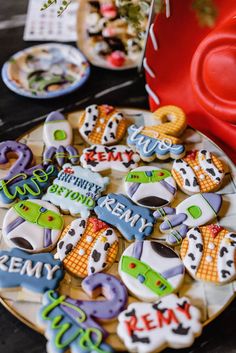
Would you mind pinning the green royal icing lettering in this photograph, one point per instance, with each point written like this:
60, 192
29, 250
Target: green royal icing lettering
86, 341
153, 280
60, 135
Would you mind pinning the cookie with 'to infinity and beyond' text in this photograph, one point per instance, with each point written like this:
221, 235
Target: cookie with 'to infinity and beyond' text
208, 253
150, 186
150, 270
102, 125
198, 171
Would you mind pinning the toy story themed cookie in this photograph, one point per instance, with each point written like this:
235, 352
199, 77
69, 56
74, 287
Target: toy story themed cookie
160, 141
61, 155
87, 246
134, 222
208, 254
170, 322
150, 270
194, 211
198, 171
103, 158
57, 131
150, 186
32, 225
76, 189
33, 272
81, 318
102, 125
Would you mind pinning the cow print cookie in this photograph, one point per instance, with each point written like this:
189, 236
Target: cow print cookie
150, 327
150, 186
150, 270
208, 254
32, 225
87, 247
103, 158
198, 171
102, 125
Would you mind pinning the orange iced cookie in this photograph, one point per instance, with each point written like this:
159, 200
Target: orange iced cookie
102, 125
87, 246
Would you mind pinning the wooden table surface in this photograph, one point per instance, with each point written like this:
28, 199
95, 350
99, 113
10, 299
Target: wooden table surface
18, 114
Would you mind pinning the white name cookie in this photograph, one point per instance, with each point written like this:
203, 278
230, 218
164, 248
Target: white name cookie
150, 270
32, 225
150, 327
150, 186
100, 158
75, 190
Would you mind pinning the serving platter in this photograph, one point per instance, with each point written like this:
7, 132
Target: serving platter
209, 298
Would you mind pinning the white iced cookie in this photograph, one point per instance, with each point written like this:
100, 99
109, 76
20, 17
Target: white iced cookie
32, 225
150, 186
100, 158
57, 131
150, 270
150, 327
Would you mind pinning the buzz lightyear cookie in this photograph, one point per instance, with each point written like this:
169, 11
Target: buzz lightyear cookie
208, 253
151, 187
151, 327
102, 125
150, 270
87, 246
160, 141
75, 190
57, 131
32, 225
100, 158
198, 171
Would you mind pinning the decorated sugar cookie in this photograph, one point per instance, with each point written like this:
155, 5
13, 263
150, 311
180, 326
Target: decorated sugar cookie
208, 254
102, 125
80, 330
194, 211
134, 222
198, 171
150, 327
150, 270
57, 131
160, 141
34, 272
60, 155
102, 158
150, 186
87, 246
32, 225
76, 189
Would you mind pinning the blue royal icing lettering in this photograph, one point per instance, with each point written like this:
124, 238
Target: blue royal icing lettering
35, 272
76, 189
134, 222
150, 148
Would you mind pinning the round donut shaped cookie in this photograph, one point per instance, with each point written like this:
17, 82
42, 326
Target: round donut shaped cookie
198, 171
150, 186
32, 225
150, 270
102, 125
87, 246
208, 254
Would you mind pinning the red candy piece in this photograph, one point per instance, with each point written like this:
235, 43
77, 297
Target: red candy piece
69, 171
191, 155
108, 10
193, 67
117, 58
97, 224
215, 229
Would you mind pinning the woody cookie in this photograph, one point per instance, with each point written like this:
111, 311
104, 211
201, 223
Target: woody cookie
87, 246
102, 125
198, 171
208, 254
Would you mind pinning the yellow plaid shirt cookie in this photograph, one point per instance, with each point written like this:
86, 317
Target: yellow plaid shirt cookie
209, 254
87, 246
